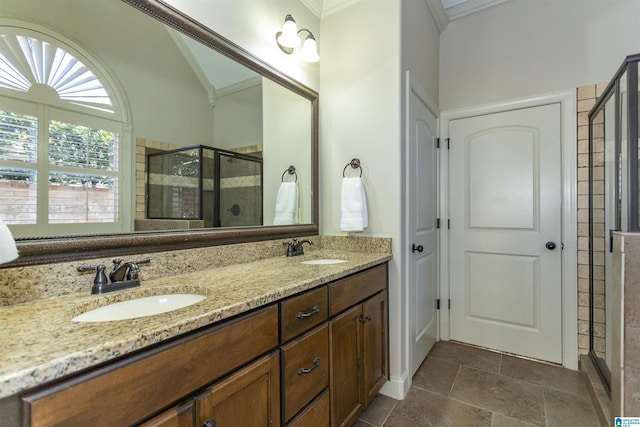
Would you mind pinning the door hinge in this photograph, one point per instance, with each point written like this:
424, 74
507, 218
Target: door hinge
438, 304
437, 142
447, 143
437, 222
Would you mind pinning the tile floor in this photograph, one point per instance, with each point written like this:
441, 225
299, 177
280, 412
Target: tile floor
459, 385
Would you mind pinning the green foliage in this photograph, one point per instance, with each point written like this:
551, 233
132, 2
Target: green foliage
69, 145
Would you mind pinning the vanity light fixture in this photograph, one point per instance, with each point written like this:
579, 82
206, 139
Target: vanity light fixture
288, 39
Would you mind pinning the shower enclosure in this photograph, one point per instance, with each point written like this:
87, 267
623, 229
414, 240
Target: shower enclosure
613, 198
220, 187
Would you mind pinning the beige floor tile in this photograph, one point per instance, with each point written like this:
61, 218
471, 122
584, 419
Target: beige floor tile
499, 420
544, 375
466, 355
567, 409
360, 423
378, 410
516, 399
436, 375
425, 409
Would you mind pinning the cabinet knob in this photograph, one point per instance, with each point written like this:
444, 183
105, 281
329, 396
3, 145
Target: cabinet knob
209, 423
365, 319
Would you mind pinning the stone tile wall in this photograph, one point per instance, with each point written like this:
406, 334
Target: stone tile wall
587, 96
625, 369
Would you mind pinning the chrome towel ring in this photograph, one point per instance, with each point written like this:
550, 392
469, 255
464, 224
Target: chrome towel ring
355, 164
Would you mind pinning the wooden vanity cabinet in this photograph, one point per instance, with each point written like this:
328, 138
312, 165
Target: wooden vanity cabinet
358, 342
315, 359
129, 391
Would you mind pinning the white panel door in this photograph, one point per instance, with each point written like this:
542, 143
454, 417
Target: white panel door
422, 230
505, 248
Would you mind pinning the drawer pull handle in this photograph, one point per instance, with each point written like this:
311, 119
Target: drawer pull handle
316, 363
315, 309
209, 423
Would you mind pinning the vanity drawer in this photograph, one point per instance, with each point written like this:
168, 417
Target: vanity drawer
305, 369
303, 312
347, 292
317, 414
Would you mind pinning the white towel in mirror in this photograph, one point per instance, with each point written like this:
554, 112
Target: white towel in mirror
286, 204
8, 249
354, 205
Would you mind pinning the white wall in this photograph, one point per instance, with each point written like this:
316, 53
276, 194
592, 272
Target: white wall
237, 119
287, 141
360, 117
420, 45
525, 47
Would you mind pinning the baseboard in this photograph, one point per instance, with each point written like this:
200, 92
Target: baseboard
397, 387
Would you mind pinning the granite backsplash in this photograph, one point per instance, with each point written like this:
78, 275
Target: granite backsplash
31, 283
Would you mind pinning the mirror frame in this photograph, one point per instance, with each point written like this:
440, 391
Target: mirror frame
47, 250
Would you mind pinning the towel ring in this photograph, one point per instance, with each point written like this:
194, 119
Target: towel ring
355, 164
292, 171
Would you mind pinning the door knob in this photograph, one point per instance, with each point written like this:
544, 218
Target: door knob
417, 248
550, 245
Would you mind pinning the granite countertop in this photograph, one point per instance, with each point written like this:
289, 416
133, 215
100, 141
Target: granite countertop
40, 343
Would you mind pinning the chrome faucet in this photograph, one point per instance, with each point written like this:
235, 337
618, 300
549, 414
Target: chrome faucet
122, 276
122, 271
294, 247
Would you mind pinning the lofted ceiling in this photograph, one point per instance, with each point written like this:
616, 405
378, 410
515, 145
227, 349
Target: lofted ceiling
443, 11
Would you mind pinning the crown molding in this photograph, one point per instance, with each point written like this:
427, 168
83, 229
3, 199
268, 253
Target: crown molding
332, 6
470, 6
438, 14
315, 6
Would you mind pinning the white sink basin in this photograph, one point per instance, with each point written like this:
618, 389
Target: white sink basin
140, 307
323, 261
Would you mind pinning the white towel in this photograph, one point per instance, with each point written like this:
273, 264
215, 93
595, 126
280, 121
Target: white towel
8, 249
286, 204
354, 205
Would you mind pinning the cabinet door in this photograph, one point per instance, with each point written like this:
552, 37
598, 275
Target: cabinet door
181, 416
375, 338
347, 398
249, 397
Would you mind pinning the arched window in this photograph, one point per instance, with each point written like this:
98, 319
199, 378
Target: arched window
61, 138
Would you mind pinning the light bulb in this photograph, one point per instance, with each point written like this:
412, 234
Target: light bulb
289, 35
310, 50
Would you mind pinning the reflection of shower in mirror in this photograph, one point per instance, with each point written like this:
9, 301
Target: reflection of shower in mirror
199, 182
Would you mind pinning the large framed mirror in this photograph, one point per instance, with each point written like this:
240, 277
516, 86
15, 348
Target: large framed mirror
190, 137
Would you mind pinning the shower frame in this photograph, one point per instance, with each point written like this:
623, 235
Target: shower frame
625, 188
